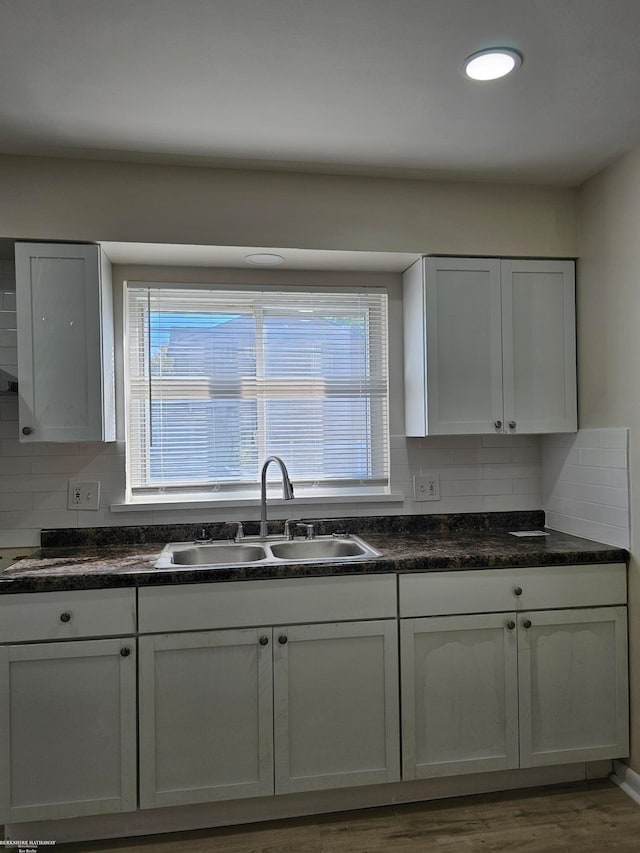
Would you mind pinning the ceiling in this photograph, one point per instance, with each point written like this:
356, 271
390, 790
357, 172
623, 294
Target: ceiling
342, 86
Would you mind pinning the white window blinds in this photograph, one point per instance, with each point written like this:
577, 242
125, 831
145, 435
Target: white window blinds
217, 380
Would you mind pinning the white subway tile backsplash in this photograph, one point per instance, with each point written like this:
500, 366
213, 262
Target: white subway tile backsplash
585, 484
603, 458
564, 523
615, 497
38, 518
428, 457
525, 454
481, 455
512, 441
462, 472
49, 500
476, 474
482, 487
447, 442
510, 503
10, 467
527, 485
10, 502
68, 465
618, 536
511, 470
461, 503
614, 477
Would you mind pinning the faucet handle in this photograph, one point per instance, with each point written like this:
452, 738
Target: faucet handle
287, 528
308, 528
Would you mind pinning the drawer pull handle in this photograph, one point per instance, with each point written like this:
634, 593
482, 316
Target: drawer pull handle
65, 617
264, 641
527, 623
511, 624
517, 590
282, 639
125, 652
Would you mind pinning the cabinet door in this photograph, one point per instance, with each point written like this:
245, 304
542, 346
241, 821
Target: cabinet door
539, 346
65, 351
453, 350
459, 695
206, 717
573, 685
67, 729
336, 705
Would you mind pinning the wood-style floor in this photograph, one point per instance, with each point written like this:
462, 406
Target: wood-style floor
591, 817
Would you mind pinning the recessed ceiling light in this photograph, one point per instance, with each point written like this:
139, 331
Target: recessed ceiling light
492, 63
264, 259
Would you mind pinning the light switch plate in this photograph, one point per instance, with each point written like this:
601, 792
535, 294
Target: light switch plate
426, 487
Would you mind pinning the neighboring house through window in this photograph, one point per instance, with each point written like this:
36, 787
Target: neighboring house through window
217, 380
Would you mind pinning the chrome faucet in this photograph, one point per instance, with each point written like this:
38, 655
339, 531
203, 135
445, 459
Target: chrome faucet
287, 491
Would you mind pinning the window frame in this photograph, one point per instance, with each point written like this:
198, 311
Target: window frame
245, 491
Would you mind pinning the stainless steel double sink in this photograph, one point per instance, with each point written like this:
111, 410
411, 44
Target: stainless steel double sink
225, 554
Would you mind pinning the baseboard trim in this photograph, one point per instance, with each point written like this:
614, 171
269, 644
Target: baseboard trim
626, 779
230, 812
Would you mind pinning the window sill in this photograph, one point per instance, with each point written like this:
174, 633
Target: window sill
171, 504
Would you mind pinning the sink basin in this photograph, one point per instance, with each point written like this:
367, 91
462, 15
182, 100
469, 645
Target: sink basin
264, 552
216, 555
313, 549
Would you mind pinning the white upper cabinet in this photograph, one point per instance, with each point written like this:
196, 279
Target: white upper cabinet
65, 343
489, 346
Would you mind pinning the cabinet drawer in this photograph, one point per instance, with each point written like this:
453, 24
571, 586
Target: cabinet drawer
67, 615
266, 602
496, 590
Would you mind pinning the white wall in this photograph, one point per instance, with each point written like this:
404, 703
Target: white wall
57, 199
608, 302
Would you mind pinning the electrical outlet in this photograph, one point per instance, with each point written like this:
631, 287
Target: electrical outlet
426, 487
82, 495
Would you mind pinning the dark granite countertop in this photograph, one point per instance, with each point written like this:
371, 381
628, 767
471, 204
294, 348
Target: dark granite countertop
406, 544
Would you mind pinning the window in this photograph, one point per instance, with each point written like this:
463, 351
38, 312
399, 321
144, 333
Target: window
217, 380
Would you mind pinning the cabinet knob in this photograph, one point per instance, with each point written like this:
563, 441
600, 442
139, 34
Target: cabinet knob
498, 424
511, 624
512, 424
517, 590
26, 430
125, 651
282, 639
65, 617
527, 623
264, 641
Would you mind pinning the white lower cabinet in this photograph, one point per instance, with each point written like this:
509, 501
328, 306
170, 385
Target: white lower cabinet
573, 685
336, 705
310, 699
459, 695
67, 729
505, 690
244, 713
206, 716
